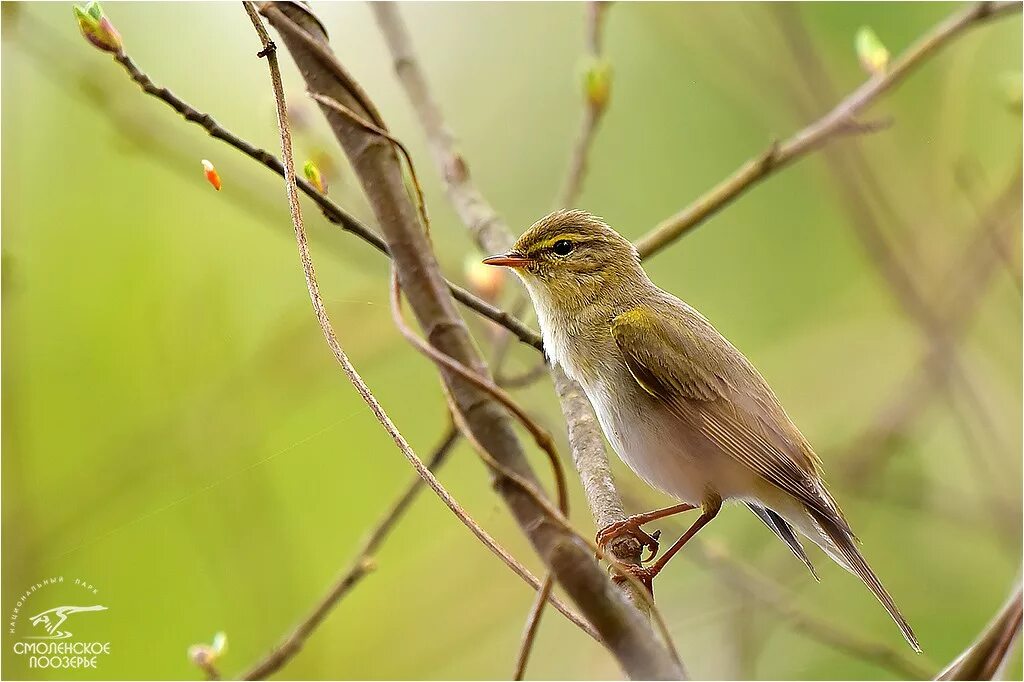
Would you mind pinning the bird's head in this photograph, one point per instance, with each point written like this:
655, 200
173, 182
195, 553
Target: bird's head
571, 258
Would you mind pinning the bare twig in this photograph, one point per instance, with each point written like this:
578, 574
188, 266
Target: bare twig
971, 274
825, 630
853, 180
597, 91
1003, 245
206, 664
360, 568
526, 486
542, 438
335, 105
526, 378
626, 634
331, 210
556, 515
838, 120
281, 655
988, 656
532, 627
492, 235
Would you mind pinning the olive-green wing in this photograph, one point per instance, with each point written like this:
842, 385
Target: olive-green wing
679, 358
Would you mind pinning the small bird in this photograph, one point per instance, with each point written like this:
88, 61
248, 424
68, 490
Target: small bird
680, 405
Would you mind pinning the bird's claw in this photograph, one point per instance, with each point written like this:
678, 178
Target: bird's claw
641, 573
628, 527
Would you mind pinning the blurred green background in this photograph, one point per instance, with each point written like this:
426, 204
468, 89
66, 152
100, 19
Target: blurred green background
176, 432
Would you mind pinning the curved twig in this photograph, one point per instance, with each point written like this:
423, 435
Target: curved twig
540, 436
629, 637
276, 659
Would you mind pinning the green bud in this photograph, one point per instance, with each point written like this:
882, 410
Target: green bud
220, 644
97, 29
314, 176
597, 83
870, 51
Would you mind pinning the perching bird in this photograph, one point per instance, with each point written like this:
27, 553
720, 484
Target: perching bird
681, 406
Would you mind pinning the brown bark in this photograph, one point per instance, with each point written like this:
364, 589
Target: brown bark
626, 633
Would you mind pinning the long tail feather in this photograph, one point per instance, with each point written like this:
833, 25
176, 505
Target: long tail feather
845, 552
784, 531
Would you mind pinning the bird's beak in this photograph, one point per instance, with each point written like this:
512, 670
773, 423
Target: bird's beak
509, 260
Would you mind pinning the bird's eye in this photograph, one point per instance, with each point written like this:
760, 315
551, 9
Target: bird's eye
562, 247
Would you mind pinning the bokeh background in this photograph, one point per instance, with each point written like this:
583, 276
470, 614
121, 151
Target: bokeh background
176, 432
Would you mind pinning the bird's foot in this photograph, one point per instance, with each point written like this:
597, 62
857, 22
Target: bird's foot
642, 573
628, 528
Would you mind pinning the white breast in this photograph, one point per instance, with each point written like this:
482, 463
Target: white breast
655, 445
556, 343
651, 442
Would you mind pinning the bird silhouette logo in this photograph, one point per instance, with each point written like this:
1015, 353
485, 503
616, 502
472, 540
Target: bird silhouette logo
51, 620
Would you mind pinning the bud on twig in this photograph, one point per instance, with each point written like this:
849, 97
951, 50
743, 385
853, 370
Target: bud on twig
597, 83
211, 174
871, 52
312, 173
97, 29
207, 654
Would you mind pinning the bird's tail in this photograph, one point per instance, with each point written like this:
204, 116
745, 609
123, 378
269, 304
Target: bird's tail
784, 531
837, 541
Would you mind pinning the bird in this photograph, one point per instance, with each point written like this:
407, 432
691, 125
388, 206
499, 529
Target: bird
679, 404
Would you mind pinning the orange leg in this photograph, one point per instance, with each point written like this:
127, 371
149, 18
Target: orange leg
631, 526
647, 575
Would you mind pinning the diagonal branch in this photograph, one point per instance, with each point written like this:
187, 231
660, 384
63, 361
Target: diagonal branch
334, 213
970, 274
493, 236
841, 119
739, 576
986, 659
625, 632
283, 653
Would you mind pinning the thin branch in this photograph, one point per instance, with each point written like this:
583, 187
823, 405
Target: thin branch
555, 515
812, 137
1003, 245
625, 632
854, 177
335, 105
542, 438
526, 378
775, 596
987, 658
361, 567
281, 655
532, 627
492, 235
971, 274
332, 211
597, 91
